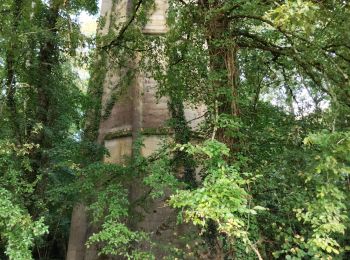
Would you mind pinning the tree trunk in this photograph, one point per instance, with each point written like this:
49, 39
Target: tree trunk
11, 73
223, 56
222, 50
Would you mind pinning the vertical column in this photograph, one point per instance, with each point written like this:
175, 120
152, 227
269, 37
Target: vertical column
77, 236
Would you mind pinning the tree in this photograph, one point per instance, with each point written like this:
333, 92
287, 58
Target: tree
40, 105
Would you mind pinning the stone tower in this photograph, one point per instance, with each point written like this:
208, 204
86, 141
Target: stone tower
137, 111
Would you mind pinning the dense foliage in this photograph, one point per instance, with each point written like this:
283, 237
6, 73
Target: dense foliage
265, 175
41, 106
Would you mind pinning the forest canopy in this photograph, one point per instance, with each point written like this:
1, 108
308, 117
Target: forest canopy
265, 174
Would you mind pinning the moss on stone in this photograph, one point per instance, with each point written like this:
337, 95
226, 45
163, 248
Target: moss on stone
143, 131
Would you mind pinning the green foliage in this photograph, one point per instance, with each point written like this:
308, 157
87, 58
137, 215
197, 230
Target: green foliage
281, 51
295, 15
117, 239
326, 210
222, 197
17, 227
161, 177
274, 77
41, 108
110, 208
108, 204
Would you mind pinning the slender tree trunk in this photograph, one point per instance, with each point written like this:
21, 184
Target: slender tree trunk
49, 58
11, 73
223, 65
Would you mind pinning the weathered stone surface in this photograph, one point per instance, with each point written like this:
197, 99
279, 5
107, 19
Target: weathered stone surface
157, 20
155, 112
151, 144
76, 247
118, 149
118, 9
138, 110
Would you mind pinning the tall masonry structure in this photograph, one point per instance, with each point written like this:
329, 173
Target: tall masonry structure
136, 111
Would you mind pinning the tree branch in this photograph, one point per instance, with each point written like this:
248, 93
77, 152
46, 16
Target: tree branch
122, 31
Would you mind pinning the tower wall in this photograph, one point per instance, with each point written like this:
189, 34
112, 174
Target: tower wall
139, 111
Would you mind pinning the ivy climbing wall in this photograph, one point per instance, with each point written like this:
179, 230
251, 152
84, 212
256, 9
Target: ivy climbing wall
136, 110
135, 106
